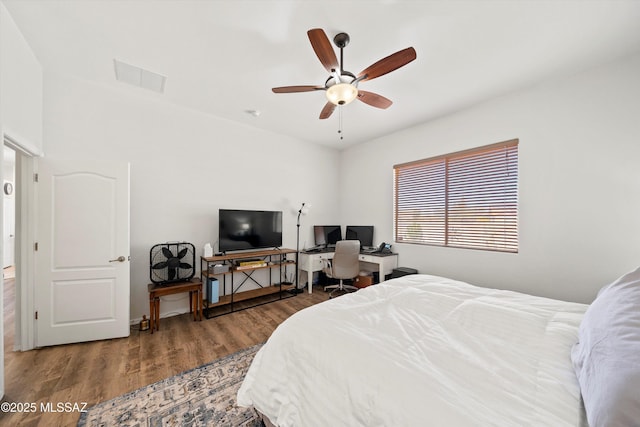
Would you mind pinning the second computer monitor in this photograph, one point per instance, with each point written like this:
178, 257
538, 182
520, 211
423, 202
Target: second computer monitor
364, 233
327, 234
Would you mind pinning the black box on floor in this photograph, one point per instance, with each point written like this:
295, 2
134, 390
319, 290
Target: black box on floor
402, 271
376, 277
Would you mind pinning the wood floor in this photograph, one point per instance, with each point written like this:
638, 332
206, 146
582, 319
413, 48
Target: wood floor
96, 371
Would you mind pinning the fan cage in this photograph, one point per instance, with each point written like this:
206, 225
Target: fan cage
172, 262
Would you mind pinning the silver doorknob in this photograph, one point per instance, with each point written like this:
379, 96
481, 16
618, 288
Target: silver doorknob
119, 259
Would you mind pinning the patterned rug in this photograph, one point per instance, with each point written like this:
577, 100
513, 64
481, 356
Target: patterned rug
203, 396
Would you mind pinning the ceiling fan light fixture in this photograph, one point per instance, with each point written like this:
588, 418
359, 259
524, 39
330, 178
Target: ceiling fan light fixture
341, 93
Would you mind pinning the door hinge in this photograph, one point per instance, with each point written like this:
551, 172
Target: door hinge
35, 177
35, 246
36, 315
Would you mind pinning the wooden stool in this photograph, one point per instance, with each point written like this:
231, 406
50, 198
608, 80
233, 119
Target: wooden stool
194, 287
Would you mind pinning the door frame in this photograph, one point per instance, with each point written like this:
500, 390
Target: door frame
26, 170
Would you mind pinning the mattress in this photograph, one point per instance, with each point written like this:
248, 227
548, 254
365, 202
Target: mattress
421, 350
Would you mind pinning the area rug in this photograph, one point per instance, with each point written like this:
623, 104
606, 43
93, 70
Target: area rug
203, 396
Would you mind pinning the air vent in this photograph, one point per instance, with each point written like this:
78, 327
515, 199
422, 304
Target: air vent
140, 77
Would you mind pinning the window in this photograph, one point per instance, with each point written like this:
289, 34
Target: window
467, 199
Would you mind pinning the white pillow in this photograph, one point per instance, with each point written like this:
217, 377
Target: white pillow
606, 358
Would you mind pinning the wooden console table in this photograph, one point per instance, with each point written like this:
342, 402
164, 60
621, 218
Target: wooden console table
194, 287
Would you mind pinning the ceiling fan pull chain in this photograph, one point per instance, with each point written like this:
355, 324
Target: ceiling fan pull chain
340, 122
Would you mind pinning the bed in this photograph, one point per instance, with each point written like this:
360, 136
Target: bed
427, 350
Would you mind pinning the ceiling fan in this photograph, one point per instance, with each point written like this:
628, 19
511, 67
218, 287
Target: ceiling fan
342, 86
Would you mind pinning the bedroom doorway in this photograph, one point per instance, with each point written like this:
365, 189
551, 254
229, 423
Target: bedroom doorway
18, 217
9, 209
9, 237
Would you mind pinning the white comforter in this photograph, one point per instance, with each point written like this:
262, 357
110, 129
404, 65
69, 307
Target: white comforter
421, 351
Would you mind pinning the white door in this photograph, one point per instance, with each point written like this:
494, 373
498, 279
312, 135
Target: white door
82, 254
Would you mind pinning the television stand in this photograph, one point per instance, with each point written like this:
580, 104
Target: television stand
241, 267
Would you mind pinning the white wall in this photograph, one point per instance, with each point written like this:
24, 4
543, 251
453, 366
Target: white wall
2, 13
184, 167
20, 113
579, 183
21, 82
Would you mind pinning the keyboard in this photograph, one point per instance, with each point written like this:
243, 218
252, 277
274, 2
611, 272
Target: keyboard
316, 250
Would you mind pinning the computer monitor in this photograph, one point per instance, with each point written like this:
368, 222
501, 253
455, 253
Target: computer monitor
364, 233
325, 235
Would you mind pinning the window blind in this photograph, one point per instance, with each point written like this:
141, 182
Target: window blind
467, 199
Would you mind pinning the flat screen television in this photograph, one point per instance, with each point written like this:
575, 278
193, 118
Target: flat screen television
364, 233
246, 229
326, 234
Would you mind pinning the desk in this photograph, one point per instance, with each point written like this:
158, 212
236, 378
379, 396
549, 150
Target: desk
314, 261
194, 287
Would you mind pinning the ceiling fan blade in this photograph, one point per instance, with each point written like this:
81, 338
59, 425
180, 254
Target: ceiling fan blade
327, 110
374, 99
292, 89
388, 64
322, 47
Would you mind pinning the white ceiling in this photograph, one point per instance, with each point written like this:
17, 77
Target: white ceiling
223, 57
